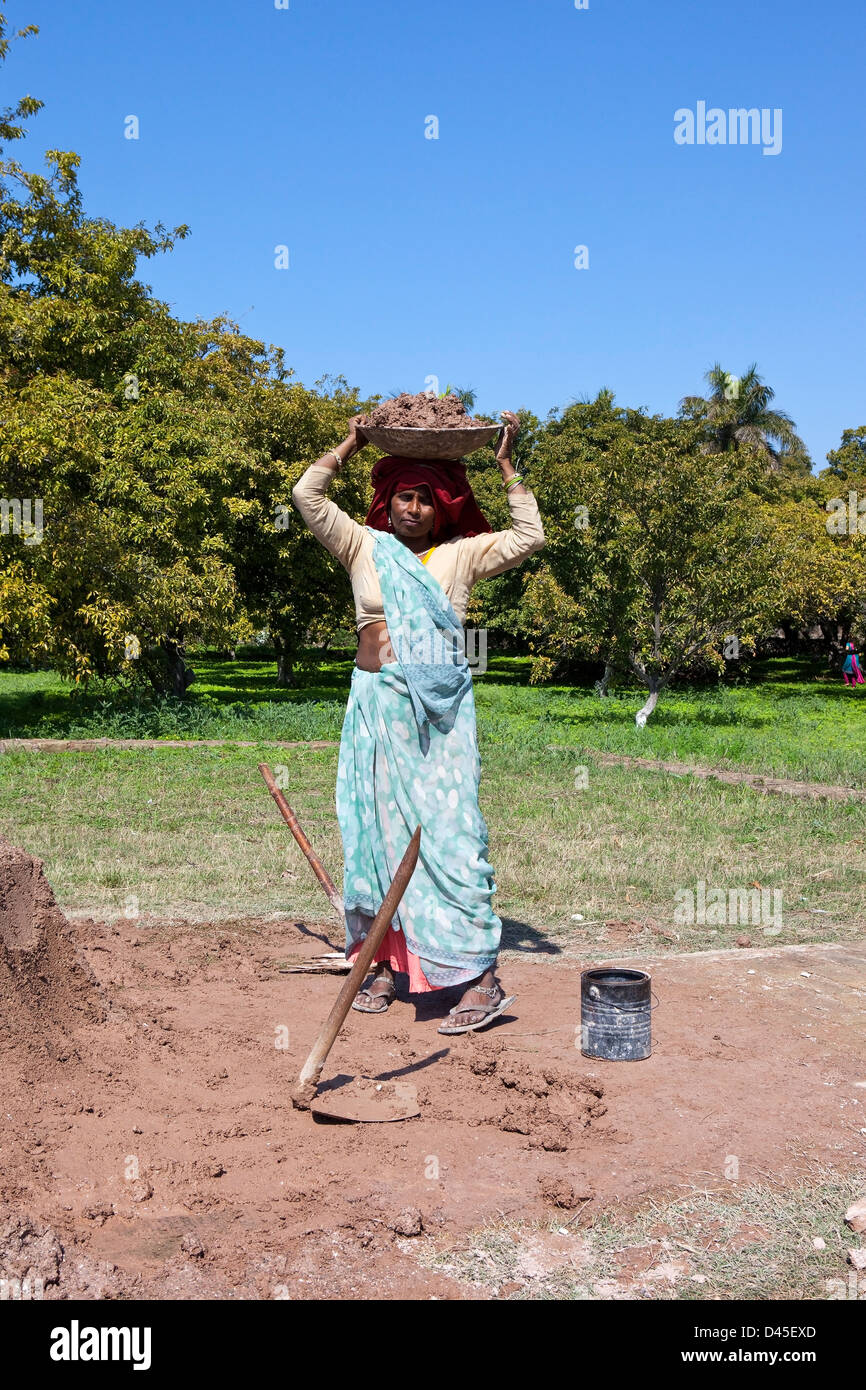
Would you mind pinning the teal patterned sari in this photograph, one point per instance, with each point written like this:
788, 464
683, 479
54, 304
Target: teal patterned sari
408, 757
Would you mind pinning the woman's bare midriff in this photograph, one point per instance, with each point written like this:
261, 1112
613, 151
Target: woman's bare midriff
374, 647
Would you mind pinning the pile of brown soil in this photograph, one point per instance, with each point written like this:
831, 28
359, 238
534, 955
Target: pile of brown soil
549, 1105
45, 988
421, 412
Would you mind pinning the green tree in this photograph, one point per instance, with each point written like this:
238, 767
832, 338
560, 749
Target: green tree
659, 555
820, 573
289, 582
162, 453
464, 394
848, 462
737, 414
561, 610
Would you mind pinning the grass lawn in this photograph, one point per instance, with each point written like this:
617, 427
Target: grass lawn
194, 832
788, 720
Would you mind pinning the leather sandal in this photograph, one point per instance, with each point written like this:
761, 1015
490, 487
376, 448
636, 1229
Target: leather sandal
490, 1011
387, 995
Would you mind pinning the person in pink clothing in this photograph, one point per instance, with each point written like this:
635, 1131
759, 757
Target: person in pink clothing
851, 673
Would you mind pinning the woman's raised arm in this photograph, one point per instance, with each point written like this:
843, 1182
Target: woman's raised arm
494, 552
332, 526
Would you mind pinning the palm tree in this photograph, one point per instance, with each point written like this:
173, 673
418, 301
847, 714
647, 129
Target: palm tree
465, 394
737, 412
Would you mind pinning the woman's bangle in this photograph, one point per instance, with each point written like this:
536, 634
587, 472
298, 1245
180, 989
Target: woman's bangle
512, 481
337, 457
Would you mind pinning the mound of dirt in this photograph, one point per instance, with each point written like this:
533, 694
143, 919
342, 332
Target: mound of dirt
561, 1193
421, 412
30, 1256
551, 1106
46, 990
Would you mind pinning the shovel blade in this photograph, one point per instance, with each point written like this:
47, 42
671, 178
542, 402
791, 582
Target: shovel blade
364, 1100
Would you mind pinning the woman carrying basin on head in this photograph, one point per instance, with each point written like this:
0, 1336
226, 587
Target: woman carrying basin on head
408, 749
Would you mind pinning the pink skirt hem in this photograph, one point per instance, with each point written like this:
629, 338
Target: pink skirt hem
394, 952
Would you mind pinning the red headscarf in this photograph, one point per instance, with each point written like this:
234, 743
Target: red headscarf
457, 512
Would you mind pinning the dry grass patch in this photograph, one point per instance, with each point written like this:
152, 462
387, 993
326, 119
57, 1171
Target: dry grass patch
755, 1242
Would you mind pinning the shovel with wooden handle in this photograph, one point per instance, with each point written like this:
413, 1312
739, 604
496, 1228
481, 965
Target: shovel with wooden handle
304, 1093
294, 825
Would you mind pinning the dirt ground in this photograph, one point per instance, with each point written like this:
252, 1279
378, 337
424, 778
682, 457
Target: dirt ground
732, 777
148, 1146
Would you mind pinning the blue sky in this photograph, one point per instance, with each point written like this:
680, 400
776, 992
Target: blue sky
454, 257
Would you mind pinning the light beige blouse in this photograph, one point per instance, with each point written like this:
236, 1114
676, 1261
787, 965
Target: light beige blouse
457, 564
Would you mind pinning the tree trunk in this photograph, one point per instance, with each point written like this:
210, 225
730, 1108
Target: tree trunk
836, 647
792, 638
180, 676
285, 663
602, 686
646, 710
